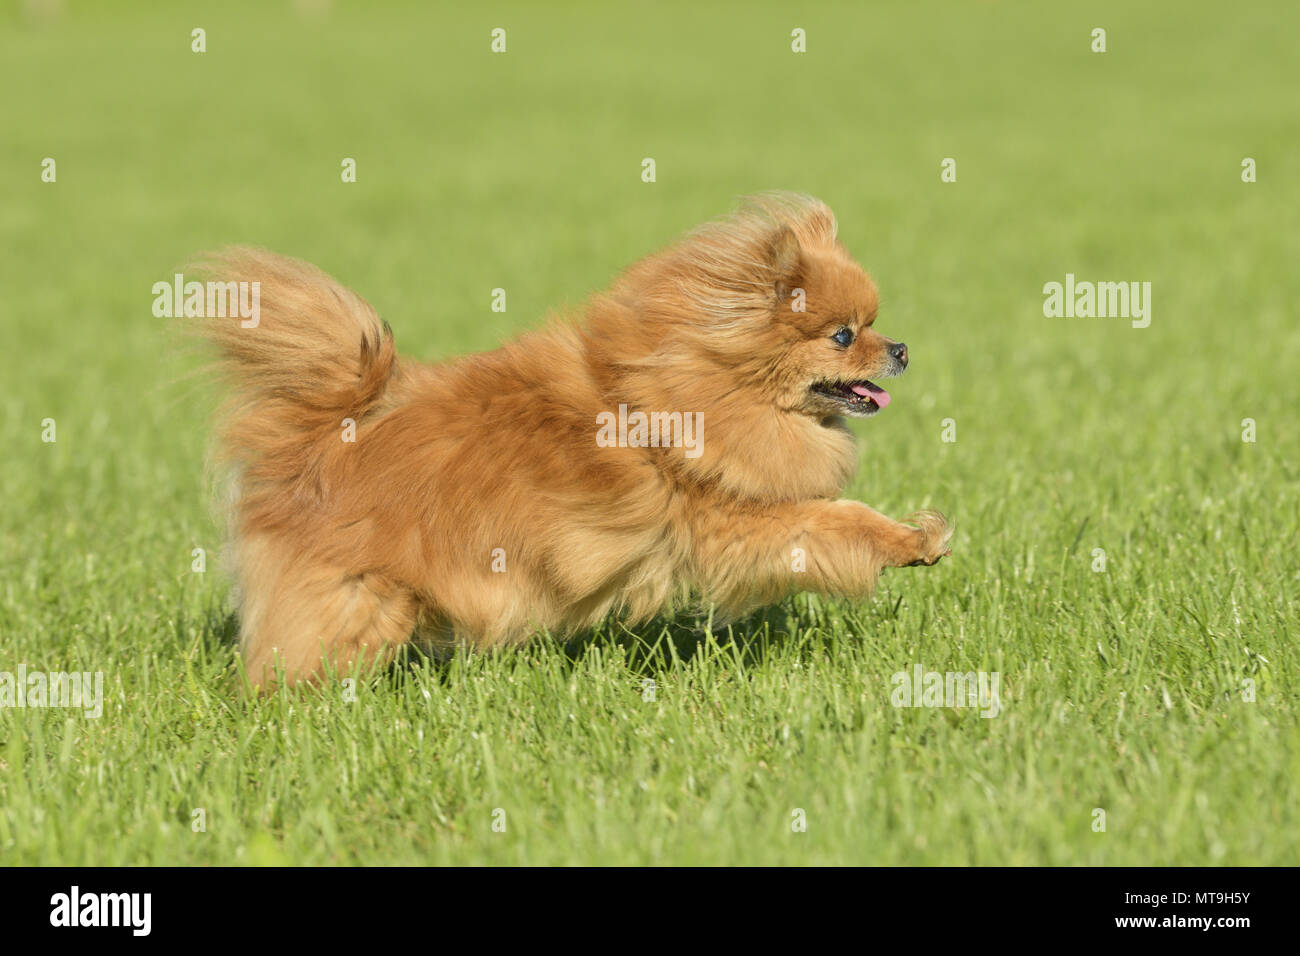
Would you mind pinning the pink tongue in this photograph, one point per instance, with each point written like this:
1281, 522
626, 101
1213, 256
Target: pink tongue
877, 394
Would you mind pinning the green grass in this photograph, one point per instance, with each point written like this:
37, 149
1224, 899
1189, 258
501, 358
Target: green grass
1121, 690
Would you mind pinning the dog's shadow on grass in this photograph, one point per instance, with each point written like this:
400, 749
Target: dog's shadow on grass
667, 642
215, 631
661, 644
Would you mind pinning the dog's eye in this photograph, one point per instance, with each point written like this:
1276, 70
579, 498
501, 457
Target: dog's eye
843, 337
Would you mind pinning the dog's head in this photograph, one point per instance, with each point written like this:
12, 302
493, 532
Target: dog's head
777, 306
823, 312
763, 322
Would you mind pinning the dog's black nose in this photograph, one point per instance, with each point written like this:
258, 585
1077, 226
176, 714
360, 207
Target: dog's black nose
899, 351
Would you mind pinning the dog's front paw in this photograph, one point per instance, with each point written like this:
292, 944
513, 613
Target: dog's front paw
933, 532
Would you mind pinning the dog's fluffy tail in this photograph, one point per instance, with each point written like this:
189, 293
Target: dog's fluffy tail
314, 355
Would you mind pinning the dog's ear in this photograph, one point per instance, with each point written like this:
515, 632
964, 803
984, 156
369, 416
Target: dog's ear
785, 258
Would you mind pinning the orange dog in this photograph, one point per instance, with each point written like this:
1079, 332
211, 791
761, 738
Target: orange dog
685, 438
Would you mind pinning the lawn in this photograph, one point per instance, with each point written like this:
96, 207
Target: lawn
1124, 561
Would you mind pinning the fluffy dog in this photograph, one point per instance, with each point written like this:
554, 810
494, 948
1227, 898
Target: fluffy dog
683, 438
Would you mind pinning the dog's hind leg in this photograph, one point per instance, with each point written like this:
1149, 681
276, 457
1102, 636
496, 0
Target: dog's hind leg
297, 617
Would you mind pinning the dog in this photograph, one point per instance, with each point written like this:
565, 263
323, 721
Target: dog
681, 439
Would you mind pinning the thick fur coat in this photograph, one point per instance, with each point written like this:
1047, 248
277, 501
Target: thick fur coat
379, 500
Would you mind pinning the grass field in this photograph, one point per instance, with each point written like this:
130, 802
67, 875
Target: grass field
1126, 690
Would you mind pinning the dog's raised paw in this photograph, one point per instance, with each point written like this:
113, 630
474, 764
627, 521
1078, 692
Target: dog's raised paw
935, 533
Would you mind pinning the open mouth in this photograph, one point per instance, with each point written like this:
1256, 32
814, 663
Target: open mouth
858, 398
